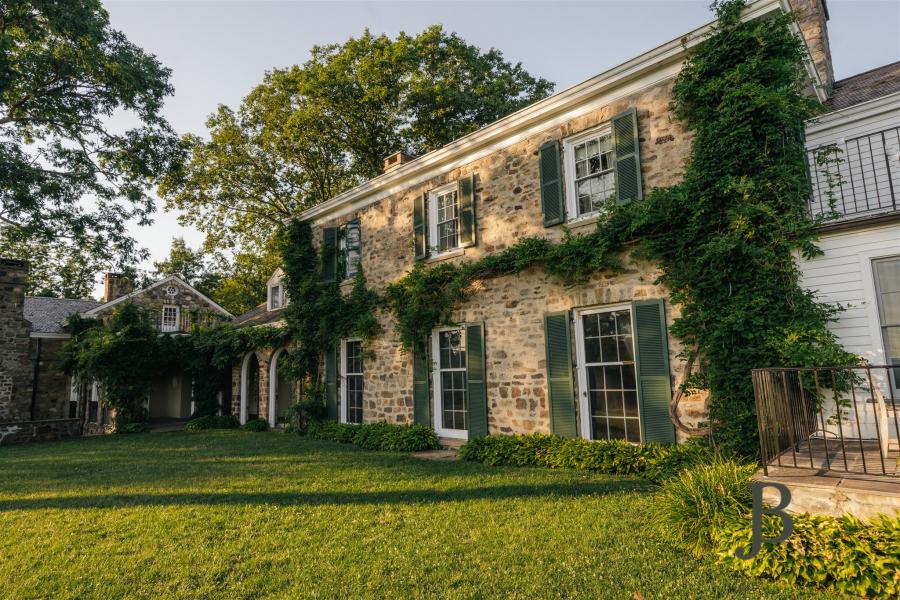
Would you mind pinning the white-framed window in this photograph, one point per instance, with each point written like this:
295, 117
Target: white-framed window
276, 296
349, 245
887, 292
443, 218
94, 414
170, 318
75, 388
607, 380
590, 171
352, 381
450, 387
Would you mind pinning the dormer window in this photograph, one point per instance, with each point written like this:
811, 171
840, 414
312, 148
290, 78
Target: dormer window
276, 296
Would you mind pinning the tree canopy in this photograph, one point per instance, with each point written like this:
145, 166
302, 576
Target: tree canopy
69, 179
309, 132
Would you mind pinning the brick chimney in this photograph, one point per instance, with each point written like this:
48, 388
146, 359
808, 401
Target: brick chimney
396, 159
116, 285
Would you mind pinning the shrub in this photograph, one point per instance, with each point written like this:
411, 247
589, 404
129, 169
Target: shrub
691, 508
256, 425
707, 509
840, 554
132, 428
309, 409
653, 461
212, 422
377, 436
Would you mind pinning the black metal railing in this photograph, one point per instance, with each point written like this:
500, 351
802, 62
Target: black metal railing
856, 177
842, 419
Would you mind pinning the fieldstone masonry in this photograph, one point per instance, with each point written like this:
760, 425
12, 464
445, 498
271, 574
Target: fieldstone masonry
15, 368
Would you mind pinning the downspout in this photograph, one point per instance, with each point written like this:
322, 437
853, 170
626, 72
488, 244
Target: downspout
34, 379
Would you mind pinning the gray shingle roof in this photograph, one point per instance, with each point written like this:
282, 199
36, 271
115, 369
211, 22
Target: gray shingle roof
48, 315
259, 316
866, 86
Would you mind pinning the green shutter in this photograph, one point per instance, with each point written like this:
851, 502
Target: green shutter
331, 382
466, 195
476, 380
420, 226
421, 395
628, 156
329, 253
552, 204
560, 391
652, 362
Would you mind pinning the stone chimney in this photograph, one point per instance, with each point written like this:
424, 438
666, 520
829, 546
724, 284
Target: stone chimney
116, 285
396, 159
15, 367
812, 19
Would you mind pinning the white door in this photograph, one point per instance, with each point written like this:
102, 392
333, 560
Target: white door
449, 384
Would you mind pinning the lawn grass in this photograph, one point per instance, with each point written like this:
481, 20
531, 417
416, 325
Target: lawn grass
235, 514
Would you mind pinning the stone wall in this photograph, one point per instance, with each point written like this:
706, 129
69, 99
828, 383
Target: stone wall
35, 431
15, 368
812, 19
52, 389
185, 297
508, 207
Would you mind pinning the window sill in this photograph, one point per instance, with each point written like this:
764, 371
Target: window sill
445, 255
583, 221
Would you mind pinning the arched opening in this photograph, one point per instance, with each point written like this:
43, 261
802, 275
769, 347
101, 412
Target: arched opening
281, 388
250, 388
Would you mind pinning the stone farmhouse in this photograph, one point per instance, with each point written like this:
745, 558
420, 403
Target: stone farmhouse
527, 354
38, 400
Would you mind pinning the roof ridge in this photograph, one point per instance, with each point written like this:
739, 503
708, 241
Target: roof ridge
872, 70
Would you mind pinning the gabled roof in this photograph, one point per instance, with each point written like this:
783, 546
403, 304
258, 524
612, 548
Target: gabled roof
866, 86
49, 315
165, 280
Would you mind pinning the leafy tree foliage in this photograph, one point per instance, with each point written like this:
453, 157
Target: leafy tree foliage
63, 72
56, 269
191, 265
308, 132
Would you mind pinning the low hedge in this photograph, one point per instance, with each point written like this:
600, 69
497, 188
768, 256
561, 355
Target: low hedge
654, 461
707, 510
256, 425
212, 422
376, 436
132, 428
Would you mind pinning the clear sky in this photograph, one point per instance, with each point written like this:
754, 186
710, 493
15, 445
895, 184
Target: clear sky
219, 50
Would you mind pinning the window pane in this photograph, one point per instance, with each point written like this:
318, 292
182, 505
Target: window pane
890, 308
613, 378
595, 378
623, 322
592, 350
625, 352
614, 404
888, 274
617, 429
633, 430
609, 349
631, 404
598, 404
607, 323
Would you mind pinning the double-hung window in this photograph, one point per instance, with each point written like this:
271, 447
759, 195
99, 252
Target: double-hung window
444, 218
887, 289
349, 249
276, 296
450, 401
353, 381
170, 318
590, 169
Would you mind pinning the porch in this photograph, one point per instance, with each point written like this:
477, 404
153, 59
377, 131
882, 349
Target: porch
832, 436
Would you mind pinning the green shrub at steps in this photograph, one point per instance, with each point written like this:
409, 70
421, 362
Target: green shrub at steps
707, 510
377, 436
132, 428
653, 461
212, 422
256, 425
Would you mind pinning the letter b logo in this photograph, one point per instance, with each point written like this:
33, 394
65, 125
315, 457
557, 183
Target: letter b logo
787, 524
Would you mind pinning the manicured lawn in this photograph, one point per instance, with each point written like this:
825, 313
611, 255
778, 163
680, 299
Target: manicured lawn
254, 515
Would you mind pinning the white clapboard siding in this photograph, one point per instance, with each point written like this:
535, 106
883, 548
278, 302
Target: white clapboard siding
843, 275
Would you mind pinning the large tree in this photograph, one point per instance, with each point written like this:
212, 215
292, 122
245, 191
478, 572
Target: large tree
70, 179
309, 132
56, 269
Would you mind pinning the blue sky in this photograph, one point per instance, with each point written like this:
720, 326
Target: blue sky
219, 50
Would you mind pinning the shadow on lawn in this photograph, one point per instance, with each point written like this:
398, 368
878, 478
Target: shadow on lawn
326, 498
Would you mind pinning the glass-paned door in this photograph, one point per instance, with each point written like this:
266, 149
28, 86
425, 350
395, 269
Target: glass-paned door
353, 381
451, 408
608, 385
